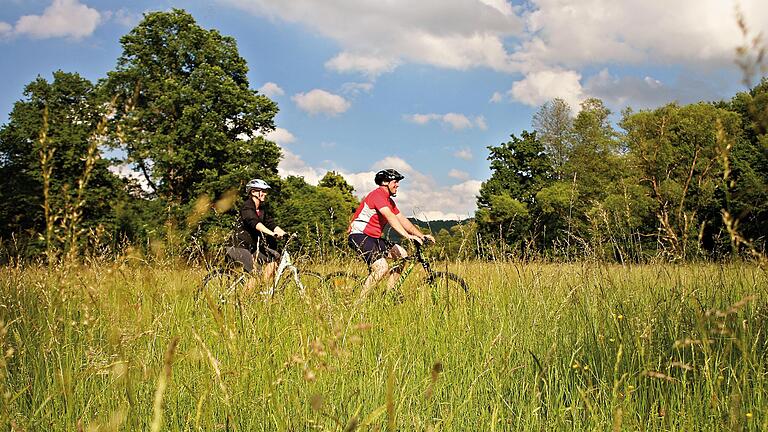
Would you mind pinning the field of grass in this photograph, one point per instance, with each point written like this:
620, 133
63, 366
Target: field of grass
538, 347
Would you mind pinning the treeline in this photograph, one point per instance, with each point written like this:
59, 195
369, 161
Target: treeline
676, 182
178, 114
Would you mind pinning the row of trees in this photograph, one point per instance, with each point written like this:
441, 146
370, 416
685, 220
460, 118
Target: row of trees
677, 181
177, 108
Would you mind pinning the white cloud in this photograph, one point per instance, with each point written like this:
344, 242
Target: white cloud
271, 90
355, 88
540, 87
370, 66
280, 136
539, 39
458, 174
376, 36
123, 17
480, 123
321, 102
292, 165
63, 18
648, 92
464, 153
457, 121
657, 31
454, 120
5, 29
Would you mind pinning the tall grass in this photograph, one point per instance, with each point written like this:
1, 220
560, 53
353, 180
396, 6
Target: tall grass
581, 347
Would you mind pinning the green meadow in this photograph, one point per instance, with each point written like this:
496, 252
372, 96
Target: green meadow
120, 346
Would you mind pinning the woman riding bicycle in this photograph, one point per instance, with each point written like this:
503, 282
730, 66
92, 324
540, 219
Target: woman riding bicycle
374, 213
255, 238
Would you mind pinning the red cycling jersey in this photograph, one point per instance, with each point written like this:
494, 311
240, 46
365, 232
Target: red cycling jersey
368, 219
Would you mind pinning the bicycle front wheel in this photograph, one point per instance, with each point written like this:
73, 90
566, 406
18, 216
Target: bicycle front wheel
220, 286
449, 288
309, 283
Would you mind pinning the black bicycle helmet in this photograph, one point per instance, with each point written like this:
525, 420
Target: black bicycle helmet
387, 175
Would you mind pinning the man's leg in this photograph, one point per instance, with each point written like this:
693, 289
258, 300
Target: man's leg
396, 252
378, 271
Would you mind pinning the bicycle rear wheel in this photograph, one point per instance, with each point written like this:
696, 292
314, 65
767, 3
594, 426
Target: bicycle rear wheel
344, 282
449, 288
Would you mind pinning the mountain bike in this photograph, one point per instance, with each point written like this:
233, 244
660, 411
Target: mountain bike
443, 285
225, 283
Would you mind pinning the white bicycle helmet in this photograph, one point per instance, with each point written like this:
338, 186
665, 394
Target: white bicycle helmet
256, 184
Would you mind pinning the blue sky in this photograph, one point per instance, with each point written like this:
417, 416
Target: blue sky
422, 86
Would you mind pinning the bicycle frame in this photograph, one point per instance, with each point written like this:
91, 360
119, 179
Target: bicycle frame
417, 258
285, 264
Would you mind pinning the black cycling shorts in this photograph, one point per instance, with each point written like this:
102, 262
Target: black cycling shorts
246, 258
370, 248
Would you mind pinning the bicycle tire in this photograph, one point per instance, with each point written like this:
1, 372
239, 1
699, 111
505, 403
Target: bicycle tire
340, 281
220, 285
313, 283
449, 287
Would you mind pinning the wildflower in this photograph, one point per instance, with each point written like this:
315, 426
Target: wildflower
749, 415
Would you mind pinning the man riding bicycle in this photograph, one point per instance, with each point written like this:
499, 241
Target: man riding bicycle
376, 211
255, 238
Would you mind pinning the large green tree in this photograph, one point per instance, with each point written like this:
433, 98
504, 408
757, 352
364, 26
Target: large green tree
187, 117
44, 150
553, 123
678, 152
521, 168
747, 186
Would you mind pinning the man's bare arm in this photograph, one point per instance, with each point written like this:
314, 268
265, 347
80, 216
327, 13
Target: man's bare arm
395, 221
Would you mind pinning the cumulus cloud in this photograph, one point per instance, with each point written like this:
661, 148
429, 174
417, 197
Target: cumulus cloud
5, 29
648, 92
271, 90
355, 88
369, 65
465, 154
292, 165
458, 174
540, 87
63, 18
123, 17
376, 36
609, 31
280, 136
454, 120
321, 102
547, 45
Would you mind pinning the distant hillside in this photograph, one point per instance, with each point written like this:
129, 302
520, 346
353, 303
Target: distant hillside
432, 226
